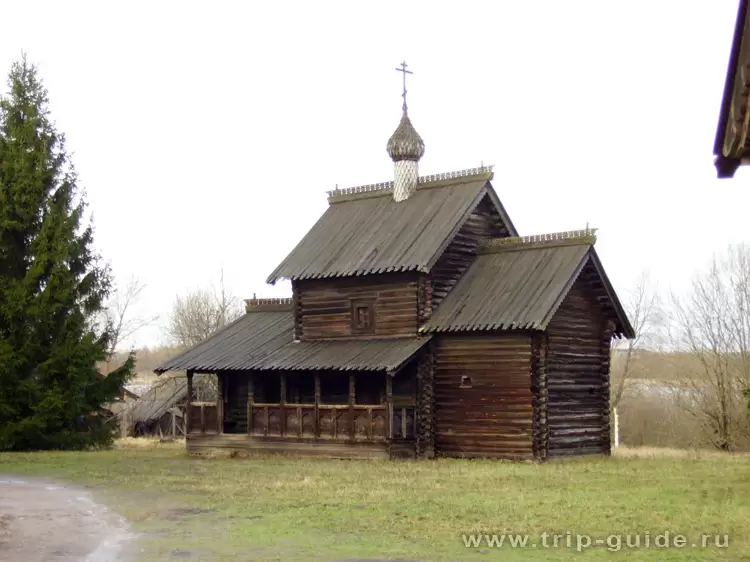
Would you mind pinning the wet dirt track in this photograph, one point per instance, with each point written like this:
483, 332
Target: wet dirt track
42, 521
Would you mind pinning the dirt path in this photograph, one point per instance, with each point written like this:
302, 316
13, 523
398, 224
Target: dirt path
41, 521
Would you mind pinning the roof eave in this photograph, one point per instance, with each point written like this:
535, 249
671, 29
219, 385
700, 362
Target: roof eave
171, 364
626, 328
501, 209
726, 167
729, 81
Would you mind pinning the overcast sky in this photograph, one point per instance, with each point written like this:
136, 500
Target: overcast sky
207, 133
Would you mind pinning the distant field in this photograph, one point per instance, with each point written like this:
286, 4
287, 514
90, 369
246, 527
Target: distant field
291, 509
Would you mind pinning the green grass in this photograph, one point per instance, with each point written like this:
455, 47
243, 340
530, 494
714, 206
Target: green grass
277, 508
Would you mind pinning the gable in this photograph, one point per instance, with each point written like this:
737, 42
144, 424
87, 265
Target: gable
594, 283
364, 231
519, 283
485, 221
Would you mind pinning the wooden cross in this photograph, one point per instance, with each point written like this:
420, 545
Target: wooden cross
403, 69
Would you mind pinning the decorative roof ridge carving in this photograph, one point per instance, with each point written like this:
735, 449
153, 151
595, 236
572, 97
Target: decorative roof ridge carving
386, 188
550, 239
269, 305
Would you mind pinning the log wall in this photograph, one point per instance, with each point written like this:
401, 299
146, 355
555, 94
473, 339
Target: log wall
484, 222
577, 376
539, 392
324, 309
490, 414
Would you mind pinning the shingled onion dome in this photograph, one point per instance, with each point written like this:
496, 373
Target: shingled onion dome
405, 147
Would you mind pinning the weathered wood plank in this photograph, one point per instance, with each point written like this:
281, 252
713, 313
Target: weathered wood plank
205, 443
325, 305
483, 395
484, 222
578, 375
188, 412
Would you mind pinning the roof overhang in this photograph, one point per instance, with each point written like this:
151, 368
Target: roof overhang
730, 146
523, 282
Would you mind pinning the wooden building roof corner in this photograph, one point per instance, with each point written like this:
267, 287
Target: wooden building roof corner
518, 283
731, 144
548, 240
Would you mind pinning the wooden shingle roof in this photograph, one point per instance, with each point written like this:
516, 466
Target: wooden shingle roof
159, 399
365, 231
518, 284
238, 345
262, 340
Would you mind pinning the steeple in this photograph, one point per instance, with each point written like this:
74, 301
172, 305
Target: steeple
405, 147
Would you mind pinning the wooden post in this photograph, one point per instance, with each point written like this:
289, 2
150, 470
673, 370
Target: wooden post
174, 424
283, 404
617, 428
317, 404
369, 424
203, 417
220, 402
189, 400
389, 406
250, 399
352, 394
125, 422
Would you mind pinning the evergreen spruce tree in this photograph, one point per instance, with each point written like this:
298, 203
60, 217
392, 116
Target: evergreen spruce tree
52, 286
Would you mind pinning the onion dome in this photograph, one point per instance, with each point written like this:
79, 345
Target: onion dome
405, 143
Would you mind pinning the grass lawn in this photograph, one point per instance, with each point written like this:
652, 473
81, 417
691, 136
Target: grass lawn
277, 508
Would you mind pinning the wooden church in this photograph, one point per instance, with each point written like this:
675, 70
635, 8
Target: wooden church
420, 324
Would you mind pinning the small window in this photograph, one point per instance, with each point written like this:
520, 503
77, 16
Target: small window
363, 317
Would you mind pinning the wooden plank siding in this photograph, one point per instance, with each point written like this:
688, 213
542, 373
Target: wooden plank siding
325, 305
484, 222
493, 415
578, 376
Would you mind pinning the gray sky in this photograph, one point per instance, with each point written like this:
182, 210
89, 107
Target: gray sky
206, 133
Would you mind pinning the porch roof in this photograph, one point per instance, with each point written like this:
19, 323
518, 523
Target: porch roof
263, 341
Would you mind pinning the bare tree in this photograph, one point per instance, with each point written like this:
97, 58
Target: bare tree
199, 314
120, 315
644, 311
713, 324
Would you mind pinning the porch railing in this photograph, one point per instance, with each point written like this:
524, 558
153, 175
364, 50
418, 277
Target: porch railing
203, 417
326, 421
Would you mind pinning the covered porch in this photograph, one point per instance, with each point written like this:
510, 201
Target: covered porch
328, 412
340, 398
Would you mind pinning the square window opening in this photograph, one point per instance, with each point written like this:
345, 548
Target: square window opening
363, 317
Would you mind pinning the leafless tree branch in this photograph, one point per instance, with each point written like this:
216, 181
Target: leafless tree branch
712, 323
643, 306
118, 315
199, 314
